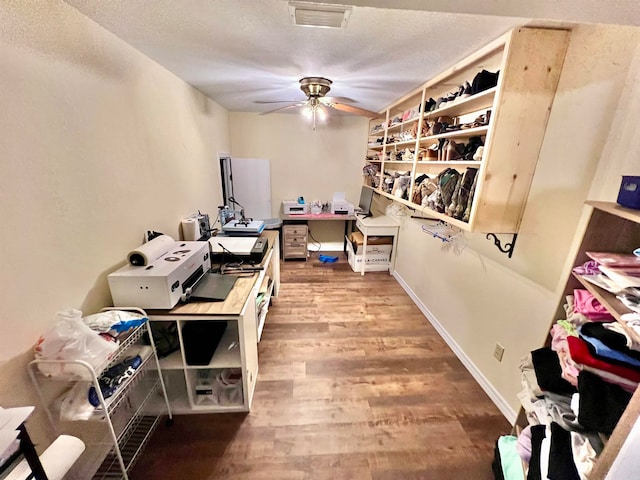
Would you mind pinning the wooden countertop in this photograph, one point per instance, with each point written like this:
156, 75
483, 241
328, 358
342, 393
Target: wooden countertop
318, 217
236, 299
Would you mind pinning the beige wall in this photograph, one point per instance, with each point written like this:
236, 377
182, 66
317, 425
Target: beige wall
98, 144
482, 297
314, 164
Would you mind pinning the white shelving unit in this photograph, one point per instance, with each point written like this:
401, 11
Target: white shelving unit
375, 226
127, 413
244, 311
236, 350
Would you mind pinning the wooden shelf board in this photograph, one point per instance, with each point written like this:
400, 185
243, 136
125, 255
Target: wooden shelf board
469, 132
427, 211
471, 104
617, 210
406, 123
402, 144
607, 299
610, 302
390, 162
172, 362
472, 163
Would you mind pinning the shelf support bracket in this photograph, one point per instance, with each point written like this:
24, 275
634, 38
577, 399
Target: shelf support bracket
508, 247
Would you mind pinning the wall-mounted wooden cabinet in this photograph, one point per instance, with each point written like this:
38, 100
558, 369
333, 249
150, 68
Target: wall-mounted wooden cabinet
423, 135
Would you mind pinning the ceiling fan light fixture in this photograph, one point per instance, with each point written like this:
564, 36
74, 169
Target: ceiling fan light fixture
319, 15
321, 112
307, 111
315, 87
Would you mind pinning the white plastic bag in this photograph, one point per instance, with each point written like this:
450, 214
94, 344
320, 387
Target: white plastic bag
229, 386
71, 339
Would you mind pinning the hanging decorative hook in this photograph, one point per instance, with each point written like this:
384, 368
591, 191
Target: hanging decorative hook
508, 247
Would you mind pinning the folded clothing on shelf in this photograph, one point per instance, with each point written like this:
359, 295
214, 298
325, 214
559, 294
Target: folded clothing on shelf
594, 394
586, 304
549, 372
114, 322
113, 377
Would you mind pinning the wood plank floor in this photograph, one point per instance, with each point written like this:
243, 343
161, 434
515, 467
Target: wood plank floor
354, 383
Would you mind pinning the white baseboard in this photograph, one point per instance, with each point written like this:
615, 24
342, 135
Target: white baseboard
498, 399
326, 246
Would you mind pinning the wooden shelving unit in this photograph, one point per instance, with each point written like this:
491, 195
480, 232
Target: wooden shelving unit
529, 61
611, 228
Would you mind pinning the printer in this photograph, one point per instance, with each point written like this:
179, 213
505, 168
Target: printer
247, 249
163, 281
340, 206
294, 207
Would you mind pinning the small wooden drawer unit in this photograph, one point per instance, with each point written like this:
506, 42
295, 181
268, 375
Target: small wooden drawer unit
294, 241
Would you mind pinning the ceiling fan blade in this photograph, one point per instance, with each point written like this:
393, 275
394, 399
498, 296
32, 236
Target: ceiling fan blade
337, 100
355, 110
277, 101
294, 105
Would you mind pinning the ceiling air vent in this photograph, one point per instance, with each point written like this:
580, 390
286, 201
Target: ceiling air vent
319, 15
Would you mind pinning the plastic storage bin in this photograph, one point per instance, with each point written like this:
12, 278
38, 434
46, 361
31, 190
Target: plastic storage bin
629, 194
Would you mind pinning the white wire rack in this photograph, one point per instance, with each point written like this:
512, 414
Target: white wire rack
439, 230
129, 451
452, 237
129, 441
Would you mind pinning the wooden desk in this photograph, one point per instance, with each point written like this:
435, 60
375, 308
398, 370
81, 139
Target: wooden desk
308, 217
238, 347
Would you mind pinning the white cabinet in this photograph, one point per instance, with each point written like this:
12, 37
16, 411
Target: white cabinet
126, 413
267, 286
194, 386
294, 241
208, 373
381, 226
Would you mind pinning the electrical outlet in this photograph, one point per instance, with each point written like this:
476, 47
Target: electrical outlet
498, 351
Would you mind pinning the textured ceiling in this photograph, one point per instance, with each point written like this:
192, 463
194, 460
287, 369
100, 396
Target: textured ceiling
240, 51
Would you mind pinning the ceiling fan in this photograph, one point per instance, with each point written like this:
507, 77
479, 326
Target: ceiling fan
315, 88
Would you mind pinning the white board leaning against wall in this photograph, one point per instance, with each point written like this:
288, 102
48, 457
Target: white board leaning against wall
248, 180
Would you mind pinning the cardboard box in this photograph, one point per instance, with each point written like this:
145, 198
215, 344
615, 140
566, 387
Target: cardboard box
378, 257
383, 243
